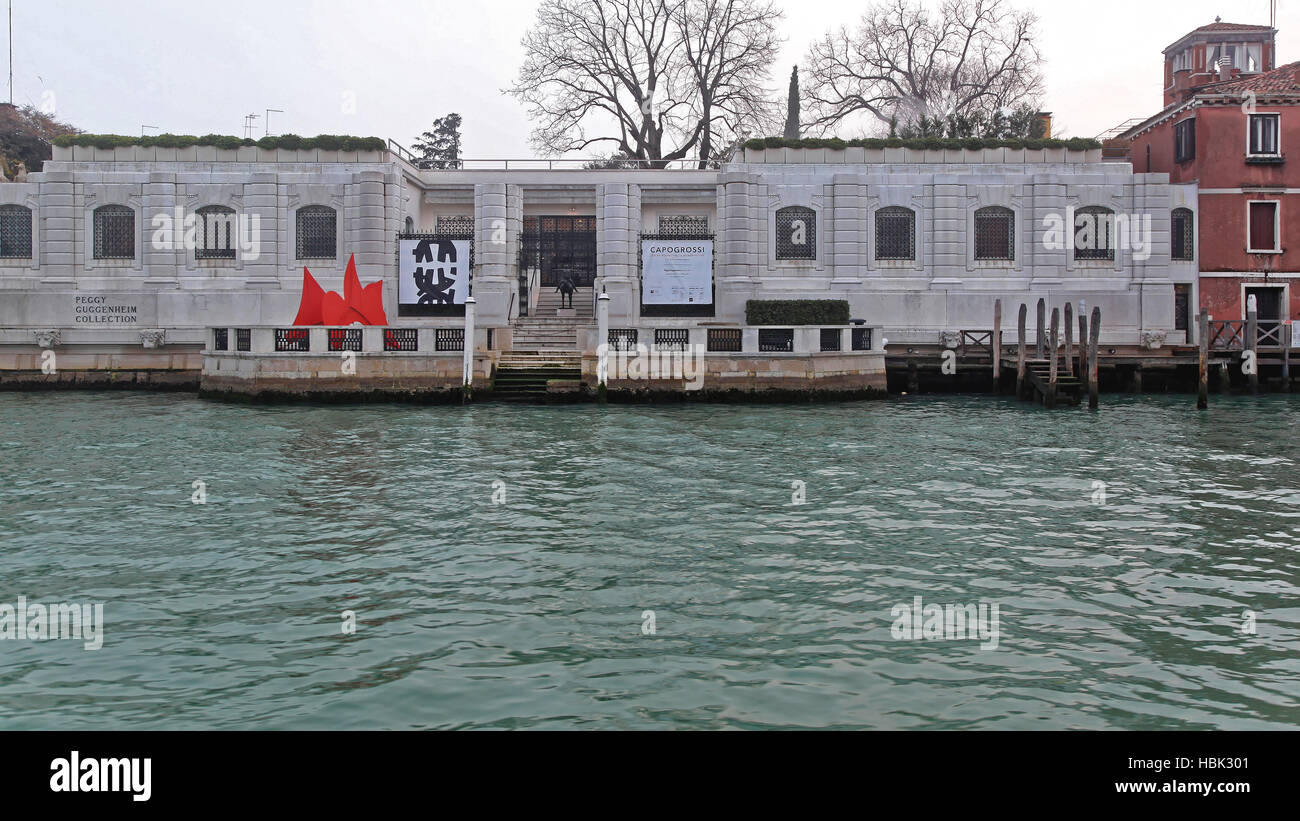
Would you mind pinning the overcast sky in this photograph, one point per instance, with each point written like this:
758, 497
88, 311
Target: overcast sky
387, 68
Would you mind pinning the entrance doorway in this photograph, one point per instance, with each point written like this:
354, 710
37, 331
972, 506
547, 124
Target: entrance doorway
1268, 307
561, 247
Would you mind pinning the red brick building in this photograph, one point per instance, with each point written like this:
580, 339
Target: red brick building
1228, 120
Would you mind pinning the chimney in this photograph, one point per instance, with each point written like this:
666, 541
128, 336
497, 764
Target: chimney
1045, 117
1225, 68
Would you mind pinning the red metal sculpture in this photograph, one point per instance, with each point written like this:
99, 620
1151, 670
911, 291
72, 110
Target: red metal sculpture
357, 305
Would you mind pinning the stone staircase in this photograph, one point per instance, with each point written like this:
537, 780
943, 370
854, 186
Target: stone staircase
550, 327
538, 373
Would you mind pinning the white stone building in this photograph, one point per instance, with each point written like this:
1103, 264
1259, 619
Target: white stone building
918, 241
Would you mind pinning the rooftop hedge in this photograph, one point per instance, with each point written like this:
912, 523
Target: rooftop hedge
327, 142
933, 143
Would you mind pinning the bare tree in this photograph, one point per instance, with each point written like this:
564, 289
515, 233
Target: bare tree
972, 58
655, 80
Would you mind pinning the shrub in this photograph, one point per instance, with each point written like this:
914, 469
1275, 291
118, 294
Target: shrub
934, 143
327, 142
797, 312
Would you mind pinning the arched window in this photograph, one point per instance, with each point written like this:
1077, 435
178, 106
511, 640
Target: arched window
15, 232
1182, 240
410, 225
1094, 233
796, 233
214, 232
895, 233
995, 233
316, 233
114, 232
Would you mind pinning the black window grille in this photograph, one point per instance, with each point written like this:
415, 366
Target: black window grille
776, 339
995, 233
401, 339
15, 232
622, 339
1182, 242
796, 233
683, 225
725, 340
243, 339
1094, 233
449, 339
1185, 141
831, 339
344, 339
455, 225
292, 339
895, 233
114, 229
317, 230
670, 338
214, 232
221, 339
861, 339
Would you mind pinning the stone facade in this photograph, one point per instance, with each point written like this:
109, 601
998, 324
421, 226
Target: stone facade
164, 297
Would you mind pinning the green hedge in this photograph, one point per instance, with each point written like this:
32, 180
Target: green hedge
797, 312
328, 142
972, 143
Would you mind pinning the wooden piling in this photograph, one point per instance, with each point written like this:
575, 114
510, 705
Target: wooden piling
1069, 339
1224, 381
1050, 399
1252, 342
997, 346
1203, 360
1042, 327
1020, 353
1284, 334
913, 377
1094, 333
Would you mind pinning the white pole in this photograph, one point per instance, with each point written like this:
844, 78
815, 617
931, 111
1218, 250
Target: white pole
602, 338
467, 369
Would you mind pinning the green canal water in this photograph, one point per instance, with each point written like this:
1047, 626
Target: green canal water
528, 609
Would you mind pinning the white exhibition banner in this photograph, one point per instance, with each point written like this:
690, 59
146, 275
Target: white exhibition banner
677, 272
432, 271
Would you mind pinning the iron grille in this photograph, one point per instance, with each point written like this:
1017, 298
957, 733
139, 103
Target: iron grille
861, 339
449, 339
458, 226
316, 233
216, 232
292, 339
670, 338
1094, 233
401, 339
683, 225
243, 339
560, 247
796, 233
831, 339
1182, 245
622, 339
995, 233
776, 340
895, 233
114, 227
725, 340
221, 339
345, 339
15, 232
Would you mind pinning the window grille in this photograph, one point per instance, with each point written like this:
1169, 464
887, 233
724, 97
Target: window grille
895, 233
796, 233
317, 229
215, 232
15, 232
776, 340
995, 233
114, 229
727, 340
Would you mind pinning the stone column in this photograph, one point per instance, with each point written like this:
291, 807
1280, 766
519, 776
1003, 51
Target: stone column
263, 267
467, 361
370, 223
161, 264
848, 254
602, 340
739, 250
58, 257
618, 244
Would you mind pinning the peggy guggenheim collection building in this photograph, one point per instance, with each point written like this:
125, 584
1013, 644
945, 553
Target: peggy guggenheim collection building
138, 258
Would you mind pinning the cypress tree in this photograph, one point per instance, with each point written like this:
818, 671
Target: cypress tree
792, 107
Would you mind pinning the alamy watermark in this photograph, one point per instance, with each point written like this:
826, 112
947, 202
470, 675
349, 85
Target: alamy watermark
1098, 231
642, 363
946, 622
42, 622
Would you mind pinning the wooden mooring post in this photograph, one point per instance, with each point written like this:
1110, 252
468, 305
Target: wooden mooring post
1252, 343
1094, 333
1020, 353
997, 346
1050, 399
1069, 339
1203, 360
1284, 333
1042, 328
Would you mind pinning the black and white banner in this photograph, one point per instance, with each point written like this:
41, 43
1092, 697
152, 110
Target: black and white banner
433, 272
